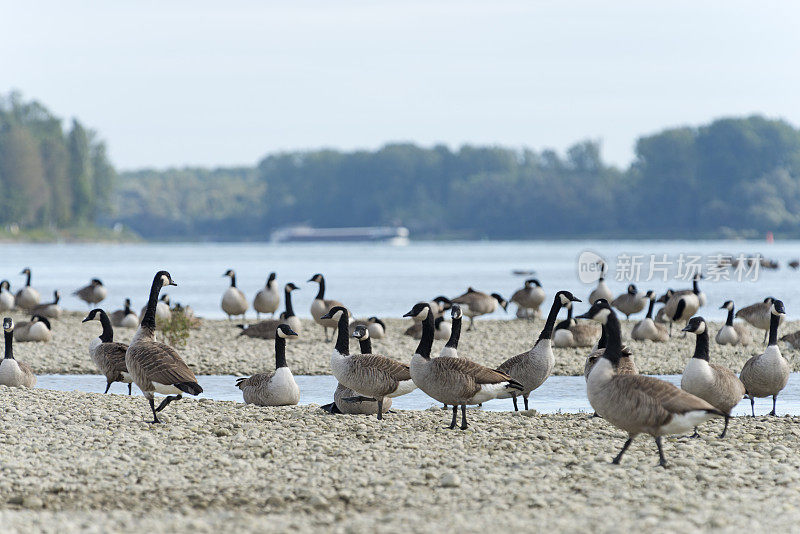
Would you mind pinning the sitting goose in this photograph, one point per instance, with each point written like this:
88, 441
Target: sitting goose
476, 303
377, 328
441, 329
532, 368
6, 298
156, 367
630, 302
93, 293
125, 317
730, 333
27, 297
713, 383
758, 315
268, 299
637, 403
529, 298
234, 302
767, 373
14, 373
37, 329
277, 388
454, 381
601, 291
267, 329
321, 306
109, 357
51, 309
571, 333
647, 328
371, 375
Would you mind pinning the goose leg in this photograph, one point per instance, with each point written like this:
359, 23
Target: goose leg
167, 400
661, 460
516, 408
108, 386
380, 408
624, 448
130, 387
765, 336
326, 333
725, 429
774, 398
471, 321
753, 405
455, 415
525, 398
153, 407
463, 417
696, 434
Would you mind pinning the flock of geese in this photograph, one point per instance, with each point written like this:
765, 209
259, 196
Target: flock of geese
367, 382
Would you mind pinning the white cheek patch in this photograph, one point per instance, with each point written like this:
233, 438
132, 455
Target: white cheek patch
164, 280
700, 328
602, 316
564, 300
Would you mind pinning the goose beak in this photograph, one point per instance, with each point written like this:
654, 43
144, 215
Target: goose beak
173, 284
409, 314
292, 333
575, 299
686, 328
86, 320
327, 316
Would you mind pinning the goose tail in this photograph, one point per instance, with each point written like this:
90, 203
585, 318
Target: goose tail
192, 388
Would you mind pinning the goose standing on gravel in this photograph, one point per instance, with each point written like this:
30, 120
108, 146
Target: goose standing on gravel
27, 297
476, 303
6, 298
277, 388
713, 383
767, 373
629, 302
373, 376
730, 333
454, 381
601, 291
320, 306
529, 298
125, 317
532, 368
51, 309
571, 333
156, 367
14, 373
267, 329
92, 294
37, 329
234, 302
759, 315
268, 299
647, 328
108, 356
637, 403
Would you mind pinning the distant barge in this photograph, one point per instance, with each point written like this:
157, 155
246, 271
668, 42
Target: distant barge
394, 235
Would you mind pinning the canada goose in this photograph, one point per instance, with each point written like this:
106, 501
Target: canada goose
277, 388
532, 368
92, 294
371, 375
442, 304
625, 366
441, 329
163, 311
268, 299
233, 300
630, 302
450, 349
27, 297
647, 328
767, 373
51, 309
529, 297
320, 306
793, 340
109, 357
156, 367
377, 328
713, 383
37, 329
571, 333
454, 381
682, 305
6, 298
476, 303
125, 317
267, 329
732, 334
758, 315
601, 291
14, 373
637, 403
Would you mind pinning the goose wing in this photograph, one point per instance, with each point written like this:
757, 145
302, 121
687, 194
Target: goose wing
651, 395
261, 379
263, 330
84, 293
511, 363
381, 365
726, 380
114, 353
751, 310
479, 373
160, 363
518, 295
470, 297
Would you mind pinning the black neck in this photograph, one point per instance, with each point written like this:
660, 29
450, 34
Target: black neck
288, 297
426, 341
650, 309
774, 321
366, 345
547, 331
56, 298
127, 308
9, 347
729, 320
601, 344
321, 291
701, 345
455, 333
280, 352
149, 319
28, 280
233, 280
108, 332
343, 336
695, 287
613, 350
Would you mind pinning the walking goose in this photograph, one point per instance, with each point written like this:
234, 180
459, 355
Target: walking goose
636, 403
93, 293
601, 291
532, 368
371, 375
571, 333
630, 302
713, 383
37, 329
27, 297
268, 299
277, 388
321, 306
156, 367
233, 300
759, 315
529, 297
647, 328
732, 334
267, 329
51, 309
767, 373
109, 357
125, 317
476, 303
6, 298
14, 373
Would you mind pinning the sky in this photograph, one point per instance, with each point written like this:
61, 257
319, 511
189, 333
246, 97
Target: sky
214, 83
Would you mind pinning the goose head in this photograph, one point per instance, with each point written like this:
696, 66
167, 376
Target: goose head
777, 308
164, 279
565, 297
284, 331
501, 301
26, 270
532, 282
443, 302
375, 320
769, 300
230, 273
455, 312
96, 282
335, 313
419, 311
599, 312
8, 324
5, 285
94, 315
41, 319
128, 303
318, 278
632, 289
290, 287
271, 278
727, 305
165, 299
650, 295
666, 296
361, 332
696, 325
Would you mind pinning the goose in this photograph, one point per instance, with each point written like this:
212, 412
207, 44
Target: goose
371, 375
377, 328
637, 403
713, 383
37, 329
476, 303
529, 297
532, 368
732, 334
441, 329
109, 357
6, 298
571, 333
320, 306
454, 381
792, 340
156, 367
450, 349
767, 373
27, 297
601, 291
93, 293
682, 305
759, 315
233, 300
630, 302
268, 299
51, 309
125, 317
163, 311
647, 328
439, 305
277, 388
14, 373
625, 366
267, 329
